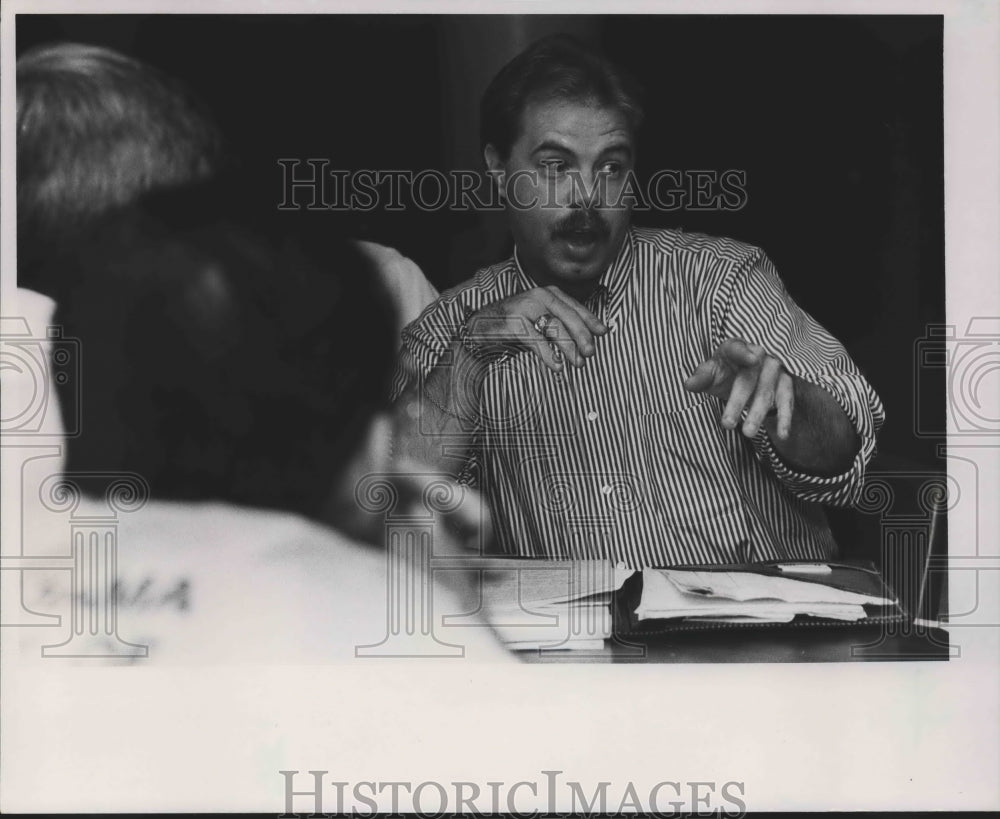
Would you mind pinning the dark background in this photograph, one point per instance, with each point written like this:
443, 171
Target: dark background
836, 120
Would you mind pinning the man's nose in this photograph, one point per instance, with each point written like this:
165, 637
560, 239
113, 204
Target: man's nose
584, 191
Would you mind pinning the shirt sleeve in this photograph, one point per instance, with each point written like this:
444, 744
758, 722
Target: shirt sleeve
757, 308
425, 340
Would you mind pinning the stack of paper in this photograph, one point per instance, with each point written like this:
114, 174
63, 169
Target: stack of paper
737, 596
551, 604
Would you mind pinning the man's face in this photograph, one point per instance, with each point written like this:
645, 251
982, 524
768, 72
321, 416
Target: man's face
565, 151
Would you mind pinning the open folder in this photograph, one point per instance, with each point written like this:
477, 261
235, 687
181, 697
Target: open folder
793, 592
578, 604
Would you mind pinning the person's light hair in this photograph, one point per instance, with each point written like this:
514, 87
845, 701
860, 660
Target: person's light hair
95, 129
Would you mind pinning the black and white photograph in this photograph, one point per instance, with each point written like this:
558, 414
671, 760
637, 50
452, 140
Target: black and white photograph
541, 407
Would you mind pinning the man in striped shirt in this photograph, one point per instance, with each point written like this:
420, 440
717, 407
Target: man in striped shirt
646, 396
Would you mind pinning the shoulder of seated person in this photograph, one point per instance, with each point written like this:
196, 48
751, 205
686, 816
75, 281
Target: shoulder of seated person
318, 592
674, 240
382, 254
485, 285
35, 308
191, 522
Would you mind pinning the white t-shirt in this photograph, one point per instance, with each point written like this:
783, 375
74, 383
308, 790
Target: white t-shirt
210, 583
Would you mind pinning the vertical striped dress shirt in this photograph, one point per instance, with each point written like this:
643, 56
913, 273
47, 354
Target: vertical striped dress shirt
617, 460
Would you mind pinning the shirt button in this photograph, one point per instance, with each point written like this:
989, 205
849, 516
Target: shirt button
606, 489
592, 415
620, 564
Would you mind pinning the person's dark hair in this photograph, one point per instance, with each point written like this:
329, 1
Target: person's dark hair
94, 130
237, 357
555, 67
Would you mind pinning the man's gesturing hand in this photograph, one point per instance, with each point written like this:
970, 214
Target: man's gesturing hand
739, 373
569, 329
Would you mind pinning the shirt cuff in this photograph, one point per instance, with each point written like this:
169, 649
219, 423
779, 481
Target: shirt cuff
834, 490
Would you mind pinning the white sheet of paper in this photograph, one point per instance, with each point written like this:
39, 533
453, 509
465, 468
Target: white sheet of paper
722, 596
746, 586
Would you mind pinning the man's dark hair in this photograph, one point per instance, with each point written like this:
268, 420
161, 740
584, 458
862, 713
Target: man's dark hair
228, 352
94, 130
555, 67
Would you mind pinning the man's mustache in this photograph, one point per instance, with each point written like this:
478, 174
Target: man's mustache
579, 221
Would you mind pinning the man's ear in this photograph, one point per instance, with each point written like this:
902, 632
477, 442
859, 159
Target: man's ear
494, 167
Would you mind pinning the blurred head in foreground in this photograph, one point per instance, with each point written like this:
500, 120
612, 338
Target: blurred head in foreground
229, 351
95, 129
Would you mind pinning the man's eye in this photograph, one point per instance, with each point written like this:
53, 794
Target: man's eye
611, 168
553, 165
